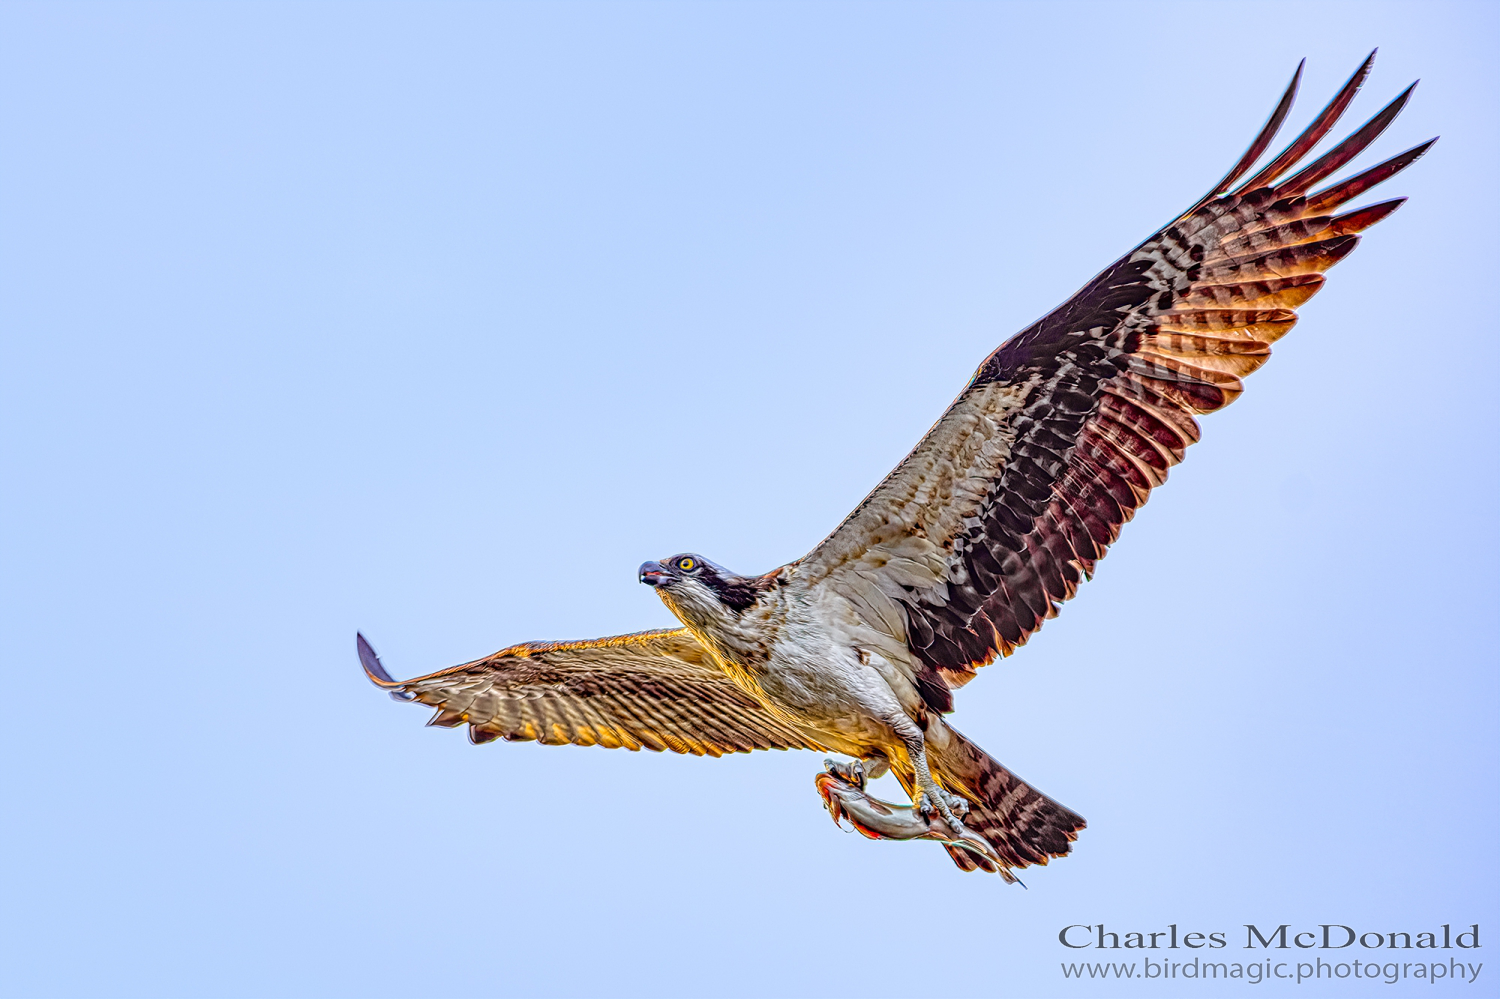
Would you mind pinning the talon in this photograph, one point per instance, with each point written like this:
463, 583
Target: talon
876, 819
852, 773
946, 806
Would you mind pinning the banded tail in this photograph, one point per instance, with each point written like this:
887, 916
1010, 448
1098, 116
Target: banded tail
1023, 825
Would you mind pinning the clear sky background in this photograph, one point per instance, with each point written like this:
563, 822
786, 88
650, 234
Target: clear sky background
435, 321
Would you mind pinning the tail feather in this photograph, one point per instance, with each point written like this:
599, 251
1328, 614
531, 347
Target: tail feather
1023, 825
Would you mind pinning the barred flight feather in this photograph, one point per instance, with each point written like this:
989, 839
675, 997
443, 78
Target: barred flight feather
1066, 428
653, 690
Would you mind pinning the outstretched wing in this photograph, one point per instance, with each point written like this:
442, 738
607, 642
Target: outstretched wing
653, 690
1014, 495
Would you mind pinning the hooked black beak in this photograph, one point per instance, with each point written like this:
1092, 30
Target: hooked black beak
654, 573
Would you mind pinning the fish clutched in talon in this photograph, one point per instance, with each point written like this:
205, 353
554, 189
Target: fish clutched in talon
842, 788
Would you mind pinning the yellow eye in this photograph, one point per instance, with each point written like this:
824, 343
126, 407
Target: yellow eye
685, 564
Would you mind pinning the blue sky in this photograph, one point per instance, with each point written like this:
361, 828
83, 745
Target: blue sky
435, 321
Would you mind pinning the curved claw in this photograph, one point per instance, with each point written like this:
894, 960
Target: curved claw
876, 819
958, 807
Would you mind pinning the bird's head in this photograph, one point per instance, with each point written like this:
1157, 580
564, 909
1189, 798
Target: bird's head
698, 591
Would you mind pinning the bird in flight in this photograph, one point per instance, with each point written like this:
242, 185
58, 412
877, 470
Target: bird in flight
972, 542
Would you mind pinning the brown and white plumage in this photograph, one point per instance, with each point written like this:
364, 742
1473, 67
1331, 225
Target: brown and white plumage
1023, 484
981, 532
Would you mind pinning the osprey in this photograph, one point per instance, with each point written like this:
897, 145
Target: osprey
973, 541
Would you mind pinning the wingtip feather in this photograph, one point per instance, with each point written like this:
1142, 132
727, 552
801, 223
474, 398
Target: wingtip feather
1262, 140
1320, 126
1347, 190
1345, 151
375, 671
1361, 219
